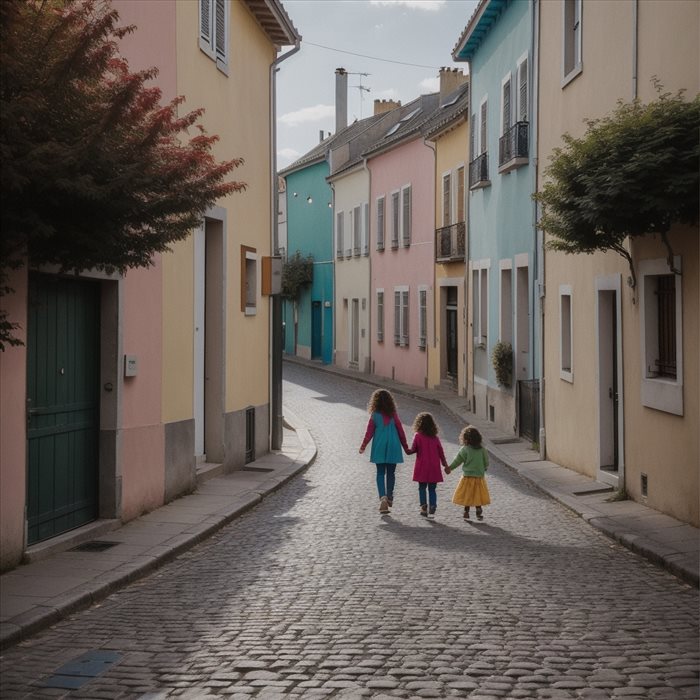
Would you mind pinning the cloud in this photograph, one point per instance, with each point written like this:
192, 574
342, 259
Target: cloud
307, 114
430, 85
429, 5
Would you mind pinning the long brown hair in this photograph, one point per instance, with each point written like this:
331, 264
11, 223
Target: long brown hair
470, 436
382, 402
426, 425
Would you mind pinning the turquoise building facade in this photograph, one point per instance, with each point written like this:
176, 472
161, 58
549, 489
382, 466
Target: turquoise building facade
308, 328
503, 261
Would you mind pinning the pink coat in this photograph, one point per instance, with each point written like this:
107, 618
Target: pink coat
429, 457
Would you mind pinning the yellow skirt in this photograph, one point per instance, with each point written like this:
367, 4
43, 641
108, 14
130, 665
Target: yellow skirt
471, 491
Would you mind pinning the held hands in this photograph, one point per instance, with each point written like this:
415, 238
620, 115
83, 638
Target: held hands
447, 470
362, 449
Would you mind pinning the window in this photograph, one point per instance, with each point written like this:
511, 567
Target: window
522, 77
505, 105
480, 298
356, 230
446, 199
662, 336
365, 228
380, 315
572, 39
506, 320
249, 280
473, 125
422, 318
483, 143
380, 223
339, 225
460, 195
214, 30
401, 316
395, 219
406, 216
566, 331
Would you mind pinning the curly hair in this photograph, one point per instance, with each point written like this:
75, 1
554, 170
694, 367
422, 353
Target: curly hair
425, 424
470, 436
382, 402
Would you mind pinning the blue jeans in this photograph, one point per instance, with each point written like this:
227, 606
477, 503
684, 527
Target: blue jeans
386, 478
432, 494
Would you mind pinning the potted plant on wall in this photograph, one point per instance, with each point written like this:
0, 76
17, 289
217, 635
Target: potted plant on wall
502, 359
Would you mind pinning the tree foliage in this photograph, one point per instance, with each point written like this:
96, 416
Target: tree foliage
633, 173
297, 273
95, 172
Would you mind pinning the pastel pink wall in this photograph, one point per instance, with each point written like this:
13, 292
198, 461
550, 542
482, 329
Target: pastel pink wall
408, 164
142, 438
13, 423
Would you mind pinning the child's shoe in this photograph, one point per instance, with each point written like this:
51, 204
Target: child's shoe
424, 511
479, 514
432, 510
390, 501
383, 505
466, 514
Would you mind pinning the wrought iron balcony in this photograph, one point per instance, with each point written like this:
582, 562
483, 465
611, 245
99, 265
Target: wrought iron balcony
479, 172
450, 242
513, 147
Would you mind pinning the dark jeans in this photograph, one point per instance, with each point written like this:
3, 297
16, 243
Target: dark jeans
432, 494
386, 478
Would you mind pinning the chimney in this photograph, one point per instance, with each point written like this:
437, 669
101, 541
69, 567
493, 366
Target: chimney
341, 99
320, 136
450, 80
381, 106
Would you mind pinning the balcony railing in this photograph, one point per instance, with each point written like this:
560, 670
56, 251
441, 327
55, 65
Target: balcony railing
449, 242
479, 172
513, 147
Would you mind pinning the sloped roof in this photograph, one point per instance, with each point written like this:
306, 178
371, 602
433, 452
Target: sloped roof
274, 21
483, 18
454, 107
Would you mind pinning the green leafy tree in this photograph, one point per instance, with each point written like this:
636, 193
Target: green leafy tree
95, 172
633, 173
297, 274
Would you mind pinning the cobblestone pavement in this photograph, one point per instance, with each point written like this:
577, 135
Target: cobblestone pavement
314, 594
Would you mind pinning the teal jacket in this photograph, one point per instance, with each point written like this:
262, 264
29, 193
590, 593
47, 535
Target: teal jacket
474, 461
387, 436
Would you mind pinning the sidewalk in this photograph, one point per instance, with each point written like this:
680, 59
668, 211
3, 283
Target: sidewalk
663, 540
36, 595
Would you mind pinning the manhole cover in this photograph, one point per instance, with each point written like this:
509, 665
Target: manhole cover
81, 670
94, 546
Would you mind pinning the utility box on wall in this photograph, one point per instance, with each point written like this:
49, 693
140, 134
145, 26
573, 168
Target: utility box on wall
271, 275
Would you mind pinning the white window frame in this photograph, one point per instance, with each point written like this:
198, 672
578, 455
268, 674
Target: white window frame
356, 216
572, 59
250, 282
480, 308
506, 80
422, 317
401, 316
522, 114
381, 222
380, 315
365, 228
395, 219
217, 51
566, 333
339, 234
505, 311
406, 222
661, 393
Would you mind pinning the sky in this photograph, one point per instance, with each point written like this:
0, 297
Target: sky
414, 39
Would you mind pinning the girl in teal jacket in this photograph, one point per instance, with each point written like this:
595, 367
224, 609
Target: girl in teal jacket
385, 431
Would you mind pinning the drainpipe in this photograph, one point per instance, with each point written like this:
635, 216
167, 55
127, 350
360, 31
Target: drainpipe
369, 265
436, 297
539, 235
635, 48
276, 416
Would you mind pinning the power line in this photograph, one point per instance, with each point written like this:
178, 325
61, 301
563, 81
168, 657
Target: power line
372, 58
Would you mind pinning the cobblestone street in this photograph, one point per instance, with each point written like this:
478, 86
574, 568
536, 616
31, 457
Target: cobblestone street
314, 594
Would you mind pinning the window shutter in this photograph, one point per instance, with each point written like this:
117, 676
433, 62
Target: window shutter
484, 111
395, 218
460, 195
380, 223
522, 91
423, 318
397, 318
356, 224
406, 194
506, 106
221, 30
339, 234
380, 316
205, 20
404, 330
365, 229
446, 203
472, 138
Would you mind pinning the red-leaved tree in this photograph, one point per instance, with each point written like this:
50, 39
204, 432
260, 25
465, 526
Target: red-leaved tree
95, 172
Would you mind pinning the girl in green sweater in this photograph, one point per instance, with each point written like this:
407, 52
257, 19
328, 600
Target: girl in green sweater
471, 489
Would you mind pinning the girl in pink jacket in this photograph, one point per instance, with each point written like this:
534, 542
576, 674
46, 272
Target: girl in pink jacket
430, 455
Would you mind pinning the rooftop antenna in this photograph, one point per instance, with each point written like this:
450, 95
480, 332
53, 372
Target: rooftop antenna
361, 88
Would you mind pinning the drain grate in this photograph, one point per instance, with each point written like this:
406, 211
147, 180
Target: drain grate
94, 546
81, 670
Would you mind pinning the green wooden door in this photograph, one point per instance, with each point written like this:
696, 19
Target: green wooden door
63, 364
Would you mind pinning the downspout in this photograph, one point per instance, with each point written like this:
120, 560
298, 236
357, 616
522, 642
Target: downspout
369, 250
436, 297
635, 48
334, 251
276, 415
539, 234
